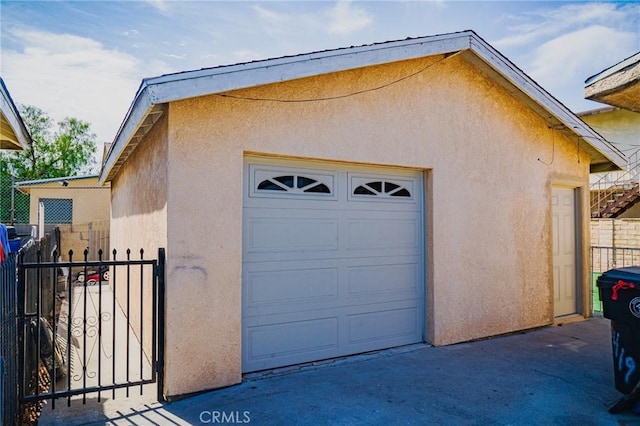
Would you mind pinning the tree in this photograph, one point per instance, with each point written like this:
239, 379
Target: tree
66, 152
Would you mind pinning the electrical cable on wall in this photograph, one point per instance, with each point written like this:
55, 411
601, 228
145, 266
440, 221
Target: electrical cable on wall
329, 98
553, 149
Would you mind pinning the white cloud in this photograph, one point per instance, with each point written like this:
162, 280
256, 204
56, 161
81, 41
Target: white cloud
541, 24
71, 76
342, 19
569, 58
161, 5
245, 55
276, 24
345, 18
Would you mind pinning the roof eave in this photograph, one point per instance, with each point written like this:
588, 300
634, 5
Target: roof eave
154, 93
158, 91
557, 115
10, 113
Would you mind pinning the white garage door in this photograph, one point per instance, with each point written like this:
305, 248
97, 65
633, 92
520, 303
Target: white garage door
333, 261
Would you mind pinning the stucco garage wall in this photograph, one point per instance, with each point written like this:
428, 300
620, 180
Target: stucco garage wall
489, 161
139, 217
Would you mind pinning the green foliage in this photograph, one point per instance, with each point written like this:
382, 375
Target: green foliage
67, 151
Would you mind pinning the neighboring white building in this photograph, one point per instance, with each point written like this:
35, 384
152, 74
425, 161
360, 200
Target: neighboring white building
617, 194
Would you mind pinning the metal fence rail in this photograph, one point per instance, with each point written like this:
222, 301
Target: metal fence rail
105, 334
606, 258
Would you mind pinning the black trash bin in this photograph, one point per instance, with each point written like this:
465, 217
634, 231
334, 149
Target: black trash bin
620, 294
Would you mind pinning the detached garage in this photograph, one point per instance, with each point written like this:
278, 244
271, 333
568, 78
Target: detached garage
349, 200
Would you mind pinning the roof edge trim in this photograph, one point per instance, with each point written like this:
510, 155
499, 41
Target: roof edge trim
13, 117
550, 104
179, 86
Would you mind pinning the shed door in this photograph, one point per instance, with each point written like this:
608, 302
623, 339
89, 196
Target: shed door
333, 261
564, 251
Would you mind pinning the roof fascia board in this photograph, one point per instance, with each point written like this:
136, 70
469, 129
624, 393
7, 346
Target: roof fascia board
218, 80
174, 87
633, 59
10, 111
556, 109
138, 111
53, 180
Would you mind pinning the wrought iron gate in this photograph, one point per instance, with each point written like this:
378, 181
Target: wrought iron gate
88, 327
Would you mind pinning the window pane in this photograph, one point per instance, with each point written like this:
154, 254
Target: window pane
361, 190
388, 186
402, 193
305, 181
285, 180
319, 189
267, 185
376, 186
57, 210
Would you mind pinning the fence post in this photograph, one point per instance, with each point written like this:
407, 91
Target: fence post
20, 319
12, 212
161, 323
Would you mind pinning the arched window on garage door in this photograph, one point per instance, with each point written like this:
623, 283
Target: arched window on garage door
382, 188
57, 210
296, 184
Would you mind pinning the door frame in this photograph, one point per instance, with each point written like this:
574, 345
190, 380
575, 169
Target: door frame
579, 251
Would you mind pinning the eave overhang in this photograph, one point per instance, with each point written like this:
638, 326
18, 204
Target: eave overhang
13, 132
153, 95
618, 85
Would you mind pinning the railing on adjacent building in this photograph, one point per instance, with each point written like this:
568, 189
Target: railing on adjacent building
606, 258
606, 190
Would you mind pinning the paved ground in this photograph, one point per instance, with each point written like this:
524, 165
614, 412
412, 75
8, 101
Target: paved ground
551, 376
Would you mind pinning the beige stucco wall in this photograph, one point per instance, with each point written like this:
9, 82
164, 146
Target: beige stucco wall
91, 208
139, 221
91, 202
490, 165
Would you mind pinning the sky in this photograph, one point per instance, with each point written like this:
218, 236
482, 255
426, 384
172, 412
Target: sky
86, 59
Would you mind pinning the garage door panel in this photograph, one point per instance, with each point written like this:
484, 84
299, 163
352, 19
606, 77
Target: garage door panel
297, 286
383, 325
382, 280
293, 234
387, 234
283, 287
271, 341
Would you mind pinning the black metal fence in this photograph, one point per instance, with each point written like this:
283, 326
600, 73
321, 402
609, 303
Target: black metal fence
75, 328
9, 405
605, 258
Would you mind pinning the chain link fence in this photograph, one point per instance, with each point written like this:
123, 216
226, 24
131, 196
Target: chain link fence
14, 205
77, 209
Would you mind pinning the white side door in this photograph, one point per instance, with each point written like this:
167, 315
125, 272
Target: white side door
564, 251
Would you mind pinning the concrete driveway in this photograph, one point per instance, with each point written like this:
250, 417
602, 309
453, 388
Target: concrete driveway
560, 375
